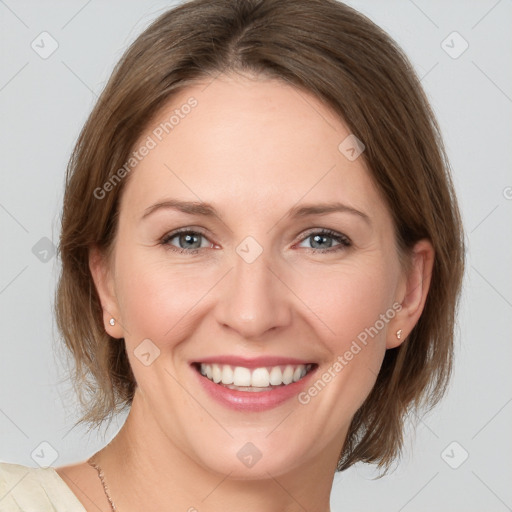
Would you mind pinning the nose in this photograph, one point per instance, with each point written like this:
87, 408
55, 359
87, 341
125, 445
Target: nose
254, 298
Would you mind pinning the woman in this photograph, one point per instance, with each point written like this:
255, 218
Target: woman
261, 259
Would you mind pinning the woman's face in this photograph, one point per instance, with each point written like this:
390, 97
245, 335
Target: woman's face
286, 263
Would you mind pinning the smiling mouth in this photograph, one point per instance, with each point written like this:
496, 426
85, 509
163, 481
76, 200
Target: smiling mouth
264, 378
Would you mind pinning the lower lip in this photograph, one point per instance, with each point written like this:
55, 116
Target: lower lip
253, 400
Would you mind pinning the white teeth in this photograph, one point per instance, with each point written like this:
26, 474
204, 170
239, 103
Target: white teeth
216, 373
276, 376
260, 378
227, 374
240, 376
288, 375
297, 374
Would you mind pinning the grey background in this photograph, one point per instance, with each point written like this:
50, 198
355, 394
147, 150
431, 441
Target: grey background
43, 104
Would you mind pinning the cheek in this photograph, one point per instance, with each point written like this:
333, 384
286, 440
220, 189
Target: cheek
354, 307
156, 300
349, 300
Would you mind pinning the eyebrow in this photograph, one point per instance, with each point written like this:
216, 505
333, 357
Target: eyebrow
207, 210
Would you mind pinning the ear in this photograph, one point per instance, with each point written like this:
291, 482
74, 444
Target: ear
412, 292
102, 277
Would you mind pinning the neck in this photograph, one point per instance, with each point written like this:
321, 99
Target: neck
145, 470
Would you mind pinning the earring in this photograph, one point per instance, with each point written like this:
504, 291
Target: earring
112, 322
399, 333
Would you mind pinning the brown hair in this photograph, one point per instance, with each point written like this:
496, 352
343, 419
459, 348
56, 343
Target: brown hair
337, 54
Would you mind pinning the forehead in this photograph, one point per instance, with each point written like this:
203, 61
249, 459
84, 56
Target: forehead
251, 143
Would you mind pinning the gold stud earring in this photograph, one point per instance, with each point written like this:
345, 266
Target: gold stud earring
112, 322
399, 334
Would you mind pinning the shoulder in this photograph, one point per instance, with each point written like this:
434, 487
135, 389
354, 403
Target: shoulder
23, 488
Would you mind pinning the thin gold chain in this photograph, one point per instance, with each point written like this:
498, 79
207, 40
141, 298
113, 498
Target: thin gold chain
103, 483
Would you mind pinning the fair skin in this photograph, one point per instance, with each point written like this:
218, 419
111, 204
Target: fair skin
254, 149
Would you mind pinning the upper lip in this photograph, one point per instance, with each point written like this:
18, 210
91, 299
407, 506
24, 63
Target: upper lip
255, 362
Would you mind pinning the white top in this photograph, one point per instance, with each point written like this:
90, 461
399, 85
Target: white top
27, 489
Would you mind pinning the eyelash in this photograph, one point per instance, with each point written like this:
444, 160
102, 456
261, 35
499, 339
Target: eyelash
343, 241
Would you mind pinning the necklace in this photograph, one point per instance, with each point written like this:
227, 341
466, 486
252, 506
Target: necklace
103, 483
